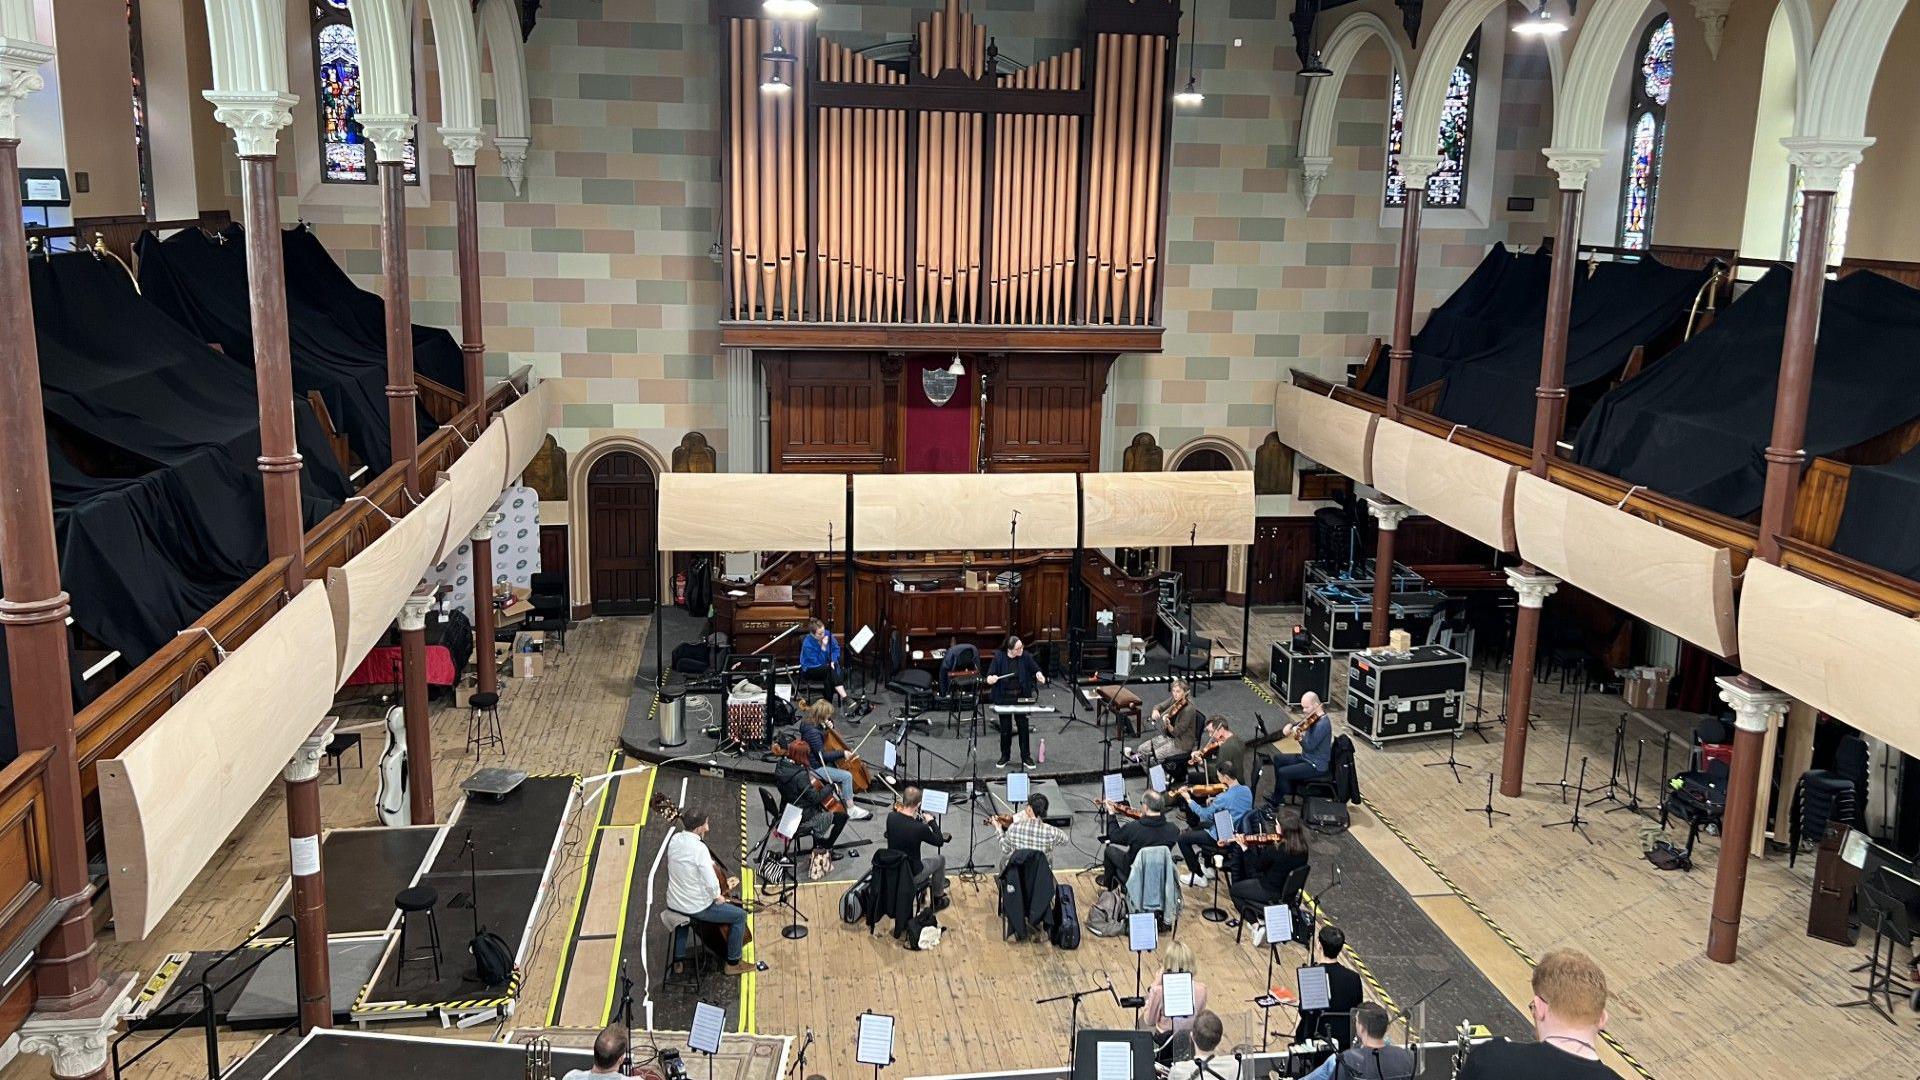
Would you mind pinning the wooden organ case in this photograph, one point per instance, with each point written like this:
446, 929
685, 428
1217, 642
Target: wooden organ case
877, 200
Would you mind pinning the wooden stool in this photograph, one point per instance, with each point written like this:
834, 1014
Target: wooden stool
417, 900
483, 723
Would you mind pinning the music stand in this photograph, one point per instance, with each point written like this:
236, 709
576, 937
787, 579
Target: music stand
873, 1041
703, 1034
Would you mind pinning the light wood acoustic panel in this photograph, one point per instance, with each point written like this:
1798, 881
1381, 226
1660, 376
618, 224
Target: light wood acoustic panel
753, 512
367, 592
963, 511
1839, 653
1167, 509
1469, 491
475, 483
171, 799
526, 422
1334, 434
1674, 582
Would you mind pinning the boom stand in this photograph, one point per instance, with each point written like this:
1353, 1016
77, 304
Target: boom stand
1566, 760
1479, 707
799, 1066
1575, 821
1632, 805
1452, 762
1488, 809
1073, 1017
1610, 791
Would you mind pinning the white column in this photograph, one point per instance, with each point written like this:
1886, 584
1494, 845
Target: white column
1534, 588
1759, 711
1389, 514
743, 412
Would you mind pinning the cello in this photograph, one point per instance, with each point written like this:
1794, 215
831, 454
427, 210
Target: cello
391, 803
852, 762
669, 811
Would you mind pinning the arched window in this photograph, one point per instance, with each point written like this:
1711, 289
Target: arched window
142, 139
1651, 86
1447, 187
346, 155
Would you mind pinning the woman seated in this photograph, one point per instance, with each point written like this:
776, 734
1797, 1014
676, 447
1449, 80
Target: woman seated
1171, 1034
1264, 869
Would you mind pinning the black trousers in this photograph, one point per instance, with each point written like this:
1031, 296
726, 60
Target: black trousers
1251, 898
827, 678
1009, 723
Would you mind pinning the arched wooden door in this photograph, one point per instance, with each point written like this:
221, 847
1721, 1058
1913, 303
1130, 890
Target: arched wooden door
1203, 570
621, 558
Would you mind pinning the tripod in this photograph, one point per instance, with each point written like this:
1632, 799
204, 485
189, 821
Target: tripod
1576, 822
1488, 809
1632, 805
1452, 762
1610, 791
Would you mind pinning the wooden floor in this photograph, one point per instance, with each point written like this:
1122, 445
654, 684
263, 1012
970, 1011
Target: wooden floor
1502, 894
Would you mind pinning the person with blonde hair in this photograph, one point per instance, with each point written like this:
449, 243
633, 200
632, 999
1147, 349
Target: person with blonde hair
1569, 1008
1175, 956
826, 763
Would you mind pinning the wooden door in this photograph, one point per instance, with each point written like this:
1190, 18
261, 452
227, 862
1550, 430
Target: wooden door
621, 559
1281, 547
1203, 570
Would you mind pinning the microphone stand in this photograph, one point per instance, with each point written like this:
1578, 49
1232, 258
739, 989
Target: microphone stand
1407, 1015
1073, 1022
626, 1009
798, 1068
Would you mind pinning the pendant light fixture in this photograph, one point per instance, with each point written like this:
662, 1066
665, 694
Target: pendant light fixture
956, 368
1542, 22
1190, 96
777, 57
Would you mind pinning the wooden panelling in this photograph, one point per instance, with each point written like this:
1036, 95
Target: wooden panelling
963, 511
1906, 273
1165, 509
1131, 599
553, 550
1281, 546
752, 512
1043, 592
853, 337
622, 544
1821, 502
1466, 489
828, 412
1043, 414
1325, 428
24, 893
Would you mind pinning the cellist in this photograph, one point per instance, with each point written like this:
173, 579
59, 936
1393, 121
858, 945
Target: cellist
829, 764
821, 812
695, 888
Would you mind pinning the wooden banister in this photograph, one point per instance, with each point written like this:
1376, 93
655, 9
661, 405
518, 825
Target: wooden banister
1822, 499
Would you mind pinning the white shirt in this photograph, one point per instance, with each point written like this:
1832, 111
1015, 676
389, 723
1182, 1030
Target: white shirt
691, 887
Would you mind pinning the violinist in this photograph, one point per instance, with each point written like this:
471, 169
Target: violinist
908, 829
821, 811
694, 888
1261, 877
1198, 843
1175, 724
1223, 753
1150, 829
1315, 759
829, 764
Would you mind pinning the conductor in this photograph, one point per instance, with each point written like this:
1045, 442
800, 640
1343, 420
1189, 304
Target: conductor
1012, 677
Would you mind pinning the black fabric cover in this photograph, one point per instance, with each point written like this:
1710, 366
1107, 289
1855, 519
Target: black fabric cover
1880, 524
314, 276
201, 281
1620, 305
1505, 295
1694, 425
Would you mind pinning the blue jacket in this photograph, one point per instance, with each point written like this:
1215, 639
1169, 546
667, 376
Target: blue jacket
1317, 744
815, 655
1236, 800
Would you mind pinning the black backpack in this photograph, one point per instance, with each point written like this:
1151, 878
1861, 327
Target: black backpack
491, 958
1066, 918
1346, 780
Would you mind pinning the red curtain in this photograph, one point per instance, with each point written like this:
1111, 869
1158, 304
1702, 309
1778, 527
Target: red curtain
936, 438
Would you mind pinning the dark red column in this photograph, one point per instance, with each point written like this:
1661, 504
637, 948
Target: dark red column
413, 676
1399, 359
309, 900
273, 367
487, 673
1786, 450
401, 391
466, 210
1754, 709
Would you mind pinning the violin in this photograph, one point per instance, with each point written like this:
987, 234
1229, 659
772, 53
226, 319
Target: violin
1198, 791
1303, 725
1004, 821
1119, 808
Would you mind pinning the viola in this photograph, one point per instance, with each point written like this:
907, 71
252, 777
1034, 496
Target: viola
1119, 808
1303, 725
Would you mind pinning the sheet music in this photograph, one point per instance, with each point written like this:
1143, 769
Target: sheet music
1314, 991
933, 801
1113, 787
1143, 931
1176, 993
1113, 1061
890, 757
789, 826
876, 1040
1019, 787
1279, 920
859, 641
1222, 826
1157, 778
1853, 850
708, 1022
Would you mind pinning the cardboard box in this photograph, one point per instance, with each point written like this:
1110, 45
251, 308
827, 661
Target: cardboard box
1645, 687
1222, 660
527, 661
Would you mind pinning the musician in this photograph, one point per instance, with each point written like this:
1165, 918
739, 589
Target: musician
798, 787
695, 890
1374, 1058
1223, 753
1151, 829
820, 658
1029, 831
1175, 724
908, 829
825, 762
1197, 844
1315, 759
1343, 993
1569, 1008
609, 1050
1175, 956
1011, 678
1208, 1030
1261, 876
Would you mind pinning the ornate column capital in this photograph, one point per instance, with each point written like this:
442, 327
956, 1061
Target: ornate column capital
20, 61
1313, 169
513, 158
1390, 514
1755, 708
254, 118
389, 135
462, 143
1572, 165
1823, 161
1415, 169
79, 1042
1713, 22
305, 763
413, 611
483, 529
1533, 588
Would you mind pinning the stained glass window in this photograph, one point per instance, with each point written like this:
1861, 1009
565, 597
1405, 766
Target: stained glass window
1447, 187
142, 141
1647, 133
346, 154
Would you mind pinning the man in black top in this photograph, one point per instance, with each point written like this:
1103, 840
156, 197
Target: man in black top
1150, 829
1569, 1008
1373, 1058
1011, 677
795, 782
1343, 993
907, 829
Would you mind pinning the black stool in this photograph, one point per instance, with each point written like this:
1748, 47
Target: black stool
419, 899
483, 723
